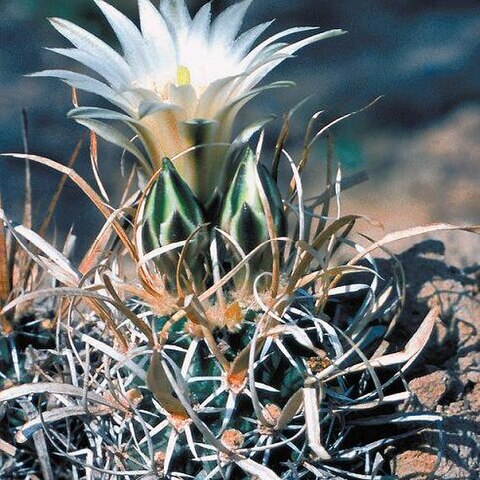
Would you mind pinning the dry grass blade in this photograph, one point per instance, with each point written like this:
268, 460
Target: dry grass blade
44, 247
330, 190
94, 162
311, 402
61, 185
346, 183
182, 257
317, 243
54, 388
34, 425
55, 292
75, 101
100, 246
271, 227
407, 356
256, 470
8, 448
27, 207
257, 406
238, 267
343, 270
38, 440
290, 410
366, 363
5, 278
93, 299
86, 188
215, 268
307, 139
412, 232
196, 314
394, 398
202, 427
51, 208
114, 354
283, 136
241, 254
406, 234
140, 324
23, 259
163, 334
338, 120
241, 363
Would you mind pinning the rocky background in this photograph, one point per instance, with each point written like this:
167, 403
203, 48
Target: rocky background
420, 145
446, 378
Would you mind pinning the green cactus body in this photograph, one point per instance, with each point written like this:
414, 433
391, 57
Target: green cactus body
283, 368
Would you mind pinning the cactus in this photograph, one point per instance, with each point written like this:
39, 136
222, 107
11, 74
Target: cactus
210, 330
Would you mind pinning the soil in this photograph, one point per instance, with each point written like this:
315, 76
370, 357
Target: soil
446, 379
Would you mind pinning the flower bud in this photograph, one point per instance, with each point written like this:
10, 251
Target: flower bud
172, 213
243, 214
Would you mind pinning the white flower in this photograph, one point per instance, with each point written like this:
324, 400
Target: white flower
180, 81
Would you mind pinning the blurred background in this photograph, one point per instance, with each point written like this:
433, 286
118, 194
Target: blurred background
420, 144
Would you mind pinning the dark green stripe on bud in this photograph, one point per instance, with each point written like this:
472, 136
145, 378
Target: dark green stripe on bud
172, 213
243, 214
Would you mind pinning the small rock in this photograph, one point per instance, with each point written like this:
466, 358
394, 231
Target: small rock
469, 368
455, 408
474, 398
430, 388
415, 464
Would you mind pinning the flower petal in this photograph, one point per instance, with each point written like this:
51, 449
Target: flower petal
245, 41
147, 108
214, 97
177, 17
87, 84
129, 36
112, 135
96, 113
284, 53
200, 28
227, 24
294, 47
90, 44
185, 97
97, 64
157, 37
262, 46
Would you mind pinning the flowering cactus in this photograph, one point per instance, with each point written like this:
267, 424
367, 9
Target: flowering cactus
175, 74
201, 379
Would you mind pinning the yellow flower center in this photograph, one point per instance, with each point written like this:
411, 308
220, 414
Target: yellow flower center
183, 76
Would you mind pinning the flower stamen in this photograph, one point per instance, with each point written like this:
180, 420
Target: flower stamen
183, 76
